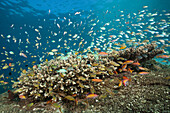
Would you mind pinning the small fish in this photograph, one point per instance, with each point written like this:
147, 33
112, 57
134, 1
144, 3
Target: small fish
74, 95
80, 84
2, 76
80, 43
49, 11
122, 47
62, 71
24, 71
49, 101
114, 40
115, 72
69, 97
124, 77
92, 95
124, 67
5, 67
82, 78
10, 64
120, 83
22, 54
163, 56
120, 70
136, 64
34, 67
102, 28
30, 104
145, 6
130, 70
5, 83
96, 49
103, 54
92, 75
163, 61
56, 105
125, 81
143, 73
142, 68
22, 97
77, 13
114, 63
97, 80
76, 53
128, 62
11, 52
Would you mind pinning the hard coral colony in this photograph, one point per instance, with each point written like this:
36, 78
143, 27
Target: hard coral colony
75, 80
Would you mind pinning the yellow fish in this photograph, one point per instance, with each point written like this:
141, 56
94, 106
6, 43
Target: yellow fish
80, 43
22, 97
76, 53
69, 97
5, 67
92, 96
46, 60
122, 47
24, 71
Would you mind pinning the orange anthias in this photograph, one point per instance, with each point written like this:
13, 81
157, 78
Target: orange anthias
136, 63
103, 53
130, 70
124, 67
49, 102
163, 56
22, 97
92, 96
10, 64
141, 68
143, 73
97, 80
115, 72
128, 62
124, 81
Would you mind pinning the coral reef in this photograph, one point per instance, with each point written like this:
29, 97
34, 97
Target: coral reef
72, 78
142, 53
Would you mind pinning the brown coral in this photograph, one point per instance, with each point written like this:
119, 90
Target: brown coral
142, 53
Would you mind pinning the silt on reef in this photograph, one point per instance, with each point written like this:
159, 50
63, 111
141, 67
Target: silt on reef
74, 78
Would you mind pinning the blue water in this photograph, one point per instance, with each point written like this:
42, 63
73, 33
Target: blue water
19, 17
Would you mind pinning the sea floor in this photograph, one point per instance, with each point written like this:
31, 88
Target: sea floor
146, 93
